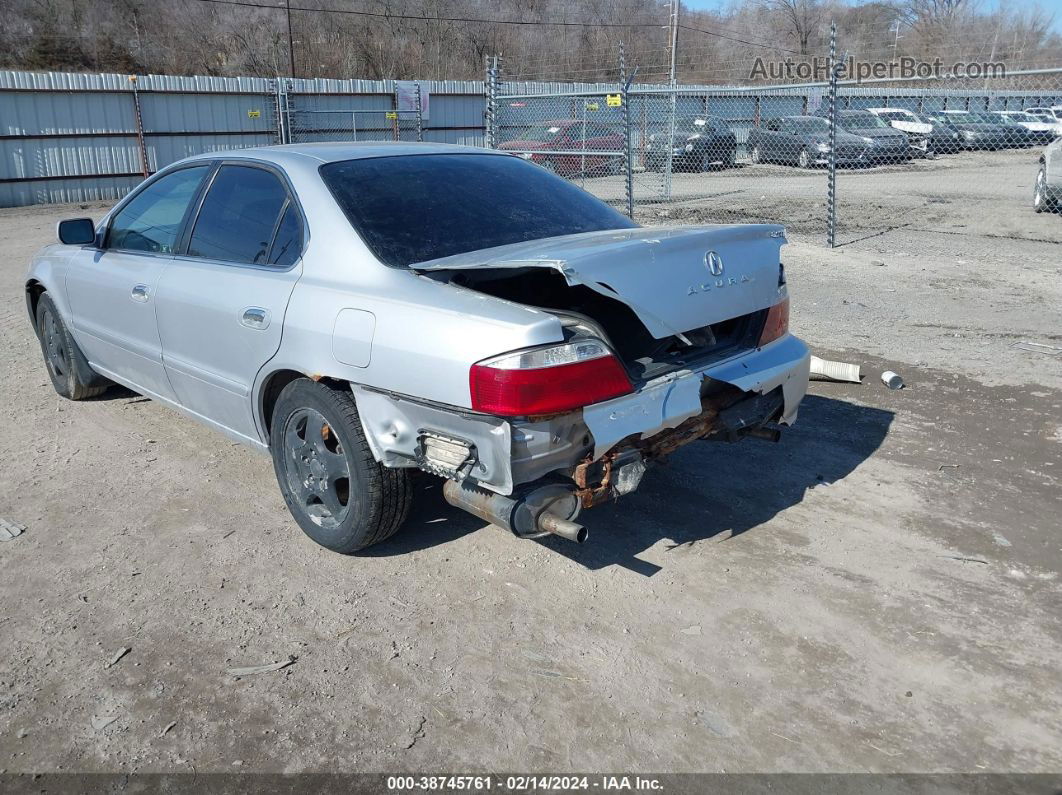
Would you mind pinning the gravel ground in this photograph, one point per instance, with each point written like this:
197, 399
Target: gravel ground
878, 592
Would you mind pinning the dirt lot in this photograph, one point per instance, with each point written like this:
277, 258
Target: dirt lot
878, 592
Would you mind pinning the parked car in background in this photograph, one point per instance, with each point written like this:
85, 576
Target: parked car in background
1047, 192
358, 311
1051, 114
977, 131
803, 141
885, 144
946, 138
571, 147
918, 131
1018, 136
699, 143
1041, 131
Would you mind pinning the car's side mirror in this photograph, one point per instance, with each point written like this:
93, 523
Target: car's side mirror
76, 231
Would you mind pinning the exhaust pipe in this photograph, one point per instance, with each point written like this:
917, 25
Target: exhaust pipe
552, 523
546, 509
767, 434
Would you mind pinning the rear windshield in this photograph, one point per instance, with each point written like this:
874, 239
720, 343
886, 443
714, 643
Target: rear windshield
416, 208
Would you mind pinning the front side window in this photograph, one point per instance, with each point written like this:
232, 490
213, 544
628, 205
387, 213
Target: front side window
152, 218
415, 208
239, 216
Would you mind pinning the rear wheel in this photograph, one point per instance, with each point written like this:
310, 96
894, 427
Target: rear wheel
337, 492
755, 155
804, 158
67, 367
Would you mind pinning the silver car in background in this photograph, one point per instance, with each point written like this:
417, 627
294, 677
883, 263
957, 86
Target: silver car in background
360, 311
1047, 191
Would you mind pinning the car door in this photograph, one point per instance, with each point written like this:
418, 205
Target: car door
600, 138
788, 143
772, 136
112, 289
221, 303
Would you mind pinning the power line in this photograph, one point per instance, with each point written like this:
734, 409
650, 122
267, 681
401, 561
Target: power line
422, 18
742, 41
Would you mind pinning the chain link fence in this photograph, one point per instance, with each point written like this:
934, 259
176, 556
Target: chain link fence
314, 117
839, 159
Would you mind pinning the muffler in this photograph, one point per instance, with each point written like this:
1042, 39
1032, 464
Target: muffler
547, 509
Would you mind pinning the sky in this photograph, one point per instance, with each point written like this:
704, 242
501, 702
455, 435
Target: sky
1051, 6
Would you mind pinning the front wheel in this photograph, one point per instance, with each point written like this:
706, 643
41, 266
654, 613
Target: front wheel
804, 159
336, 491
755, 155
67, 367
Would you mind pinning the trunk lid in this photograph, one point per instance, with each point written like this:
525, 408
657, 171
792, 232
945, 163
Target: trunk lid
675, 279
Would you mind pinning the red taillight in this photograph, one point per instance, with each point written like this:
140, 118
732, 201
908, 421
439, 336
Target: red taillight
547, 380
777, 323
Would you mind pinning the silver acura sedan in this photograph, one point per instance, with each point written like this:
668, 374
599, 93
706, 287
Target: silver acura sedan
360, 311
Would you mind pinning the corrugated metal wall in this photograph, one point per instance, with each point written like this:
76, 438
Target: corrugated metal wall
68, 137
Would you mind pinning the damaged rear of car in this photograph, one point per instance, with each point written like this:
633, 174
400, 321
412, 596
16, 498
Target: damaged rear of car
660, 337
361, 311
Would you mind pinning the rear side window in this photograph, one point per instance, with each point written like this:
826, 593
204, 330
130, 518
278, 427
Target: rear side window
415, 208
152, 218
287, 245
238, 219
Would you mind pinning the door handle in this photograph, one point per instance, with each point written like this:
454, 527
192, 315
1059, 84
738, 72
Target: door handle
255, 317
140, 292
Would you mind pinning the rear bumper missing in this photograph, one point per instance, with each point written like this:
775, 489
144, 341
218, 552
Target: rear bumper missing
723, 400
670, 400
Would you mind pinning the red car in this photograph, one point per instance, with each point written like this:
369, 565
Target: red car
570, 147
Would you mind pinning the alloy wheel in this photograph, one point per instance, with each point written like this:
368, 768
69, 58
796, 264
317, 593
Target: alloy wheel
318, 472
58, 358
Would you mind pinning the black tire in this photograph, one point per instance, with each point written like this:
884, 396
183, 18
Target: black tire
67, 367
313, 460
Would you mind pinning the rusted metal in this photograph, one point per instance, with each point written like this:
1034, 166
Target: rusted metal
589, 494
139, 126
592, 491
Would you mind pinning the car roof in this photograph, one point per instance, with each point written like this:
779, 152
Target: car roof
341, 150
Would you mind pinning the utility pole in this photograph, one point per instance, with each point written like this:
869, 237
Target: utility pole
291, 39
895, 29
673, 85
673, 38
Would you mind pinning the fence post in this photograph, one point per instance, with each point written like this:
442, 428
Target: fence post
628, 165
278, 111
288, 111
831, 181
420, 122
139, 126
490, 132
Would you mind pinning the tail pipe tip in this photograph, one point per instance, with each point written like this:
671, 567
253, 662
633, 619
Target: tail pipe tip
560, 526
